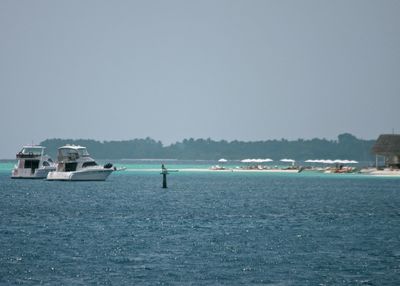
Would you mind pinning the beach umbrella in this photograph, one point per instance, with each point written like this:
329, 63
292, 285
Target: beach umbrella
222, 160
353, 162
288, 160
256, 160
312, 161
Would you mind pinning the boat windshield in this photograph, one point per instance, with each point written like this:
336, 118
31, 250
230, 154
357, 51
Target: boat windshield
83, 152
71, 153
32, 150
67, 153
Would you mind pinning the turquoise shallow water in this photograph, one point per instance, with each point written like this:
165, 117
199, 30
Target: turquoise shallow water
154, 165
7, 165
206, 229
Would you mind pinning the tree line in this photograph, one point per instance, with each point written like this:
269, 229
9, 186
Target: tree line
346, 146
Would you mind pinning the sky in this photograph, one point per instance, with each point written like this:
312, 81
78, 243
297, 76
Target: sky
245, 70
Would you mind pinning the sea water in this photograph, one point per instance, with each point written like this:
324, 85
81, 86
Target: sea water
207, 228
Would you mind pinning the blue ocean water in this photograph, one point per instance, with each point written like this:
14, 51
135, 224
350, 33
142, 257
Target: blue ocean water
205, 229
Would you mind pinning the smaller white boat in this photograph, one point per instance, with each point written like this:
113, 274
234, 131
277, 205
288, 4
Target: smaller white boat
75, 164
32, 163
217, 168
284, 170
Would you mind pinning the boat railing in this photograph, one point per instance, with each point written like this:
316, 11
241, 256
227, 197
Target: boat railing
21, 155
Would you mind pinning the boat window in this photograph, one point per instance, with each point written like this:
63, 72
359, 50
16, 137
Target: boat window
89, 164
31, 164
46, 164
70, 167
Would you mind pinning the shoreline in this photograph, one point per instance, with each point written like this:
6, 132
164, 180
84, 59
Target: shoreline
268, 171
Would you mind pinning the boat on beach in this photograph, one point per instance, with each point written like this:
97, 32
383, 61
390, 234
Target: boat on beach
32, 163
75, 164
340, 170
284, 170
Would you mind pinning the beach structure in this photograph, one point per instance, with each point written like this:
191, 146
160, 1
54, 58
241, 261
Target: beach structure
387, 147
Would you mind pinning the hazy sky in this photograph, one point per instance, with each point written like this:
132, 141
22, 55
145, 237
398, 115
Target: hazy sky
247, 70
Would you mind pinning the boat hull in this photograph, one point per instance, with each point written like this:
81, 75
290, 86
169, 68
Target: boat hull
83, 175
40, 173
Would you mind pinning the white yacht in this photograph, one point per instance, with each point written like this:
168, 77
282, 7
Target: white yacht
75, 164
32, 163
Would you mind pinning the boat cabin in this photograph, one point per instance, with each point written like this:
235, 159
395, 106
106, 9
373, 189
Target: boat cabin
71, 153
29, 157
71, 157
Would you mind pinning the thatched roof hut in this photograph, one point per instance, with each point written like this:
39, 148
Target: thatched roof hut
387, 145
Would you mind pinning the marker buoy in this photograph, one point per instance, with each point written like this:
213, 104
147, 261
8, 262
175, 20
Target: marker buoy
164, 172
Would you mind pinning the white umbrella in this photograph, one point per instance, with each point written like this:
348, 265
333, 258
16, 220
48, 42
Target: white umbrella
345, 161
246, 161
288, 160
222, 160
315, 161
